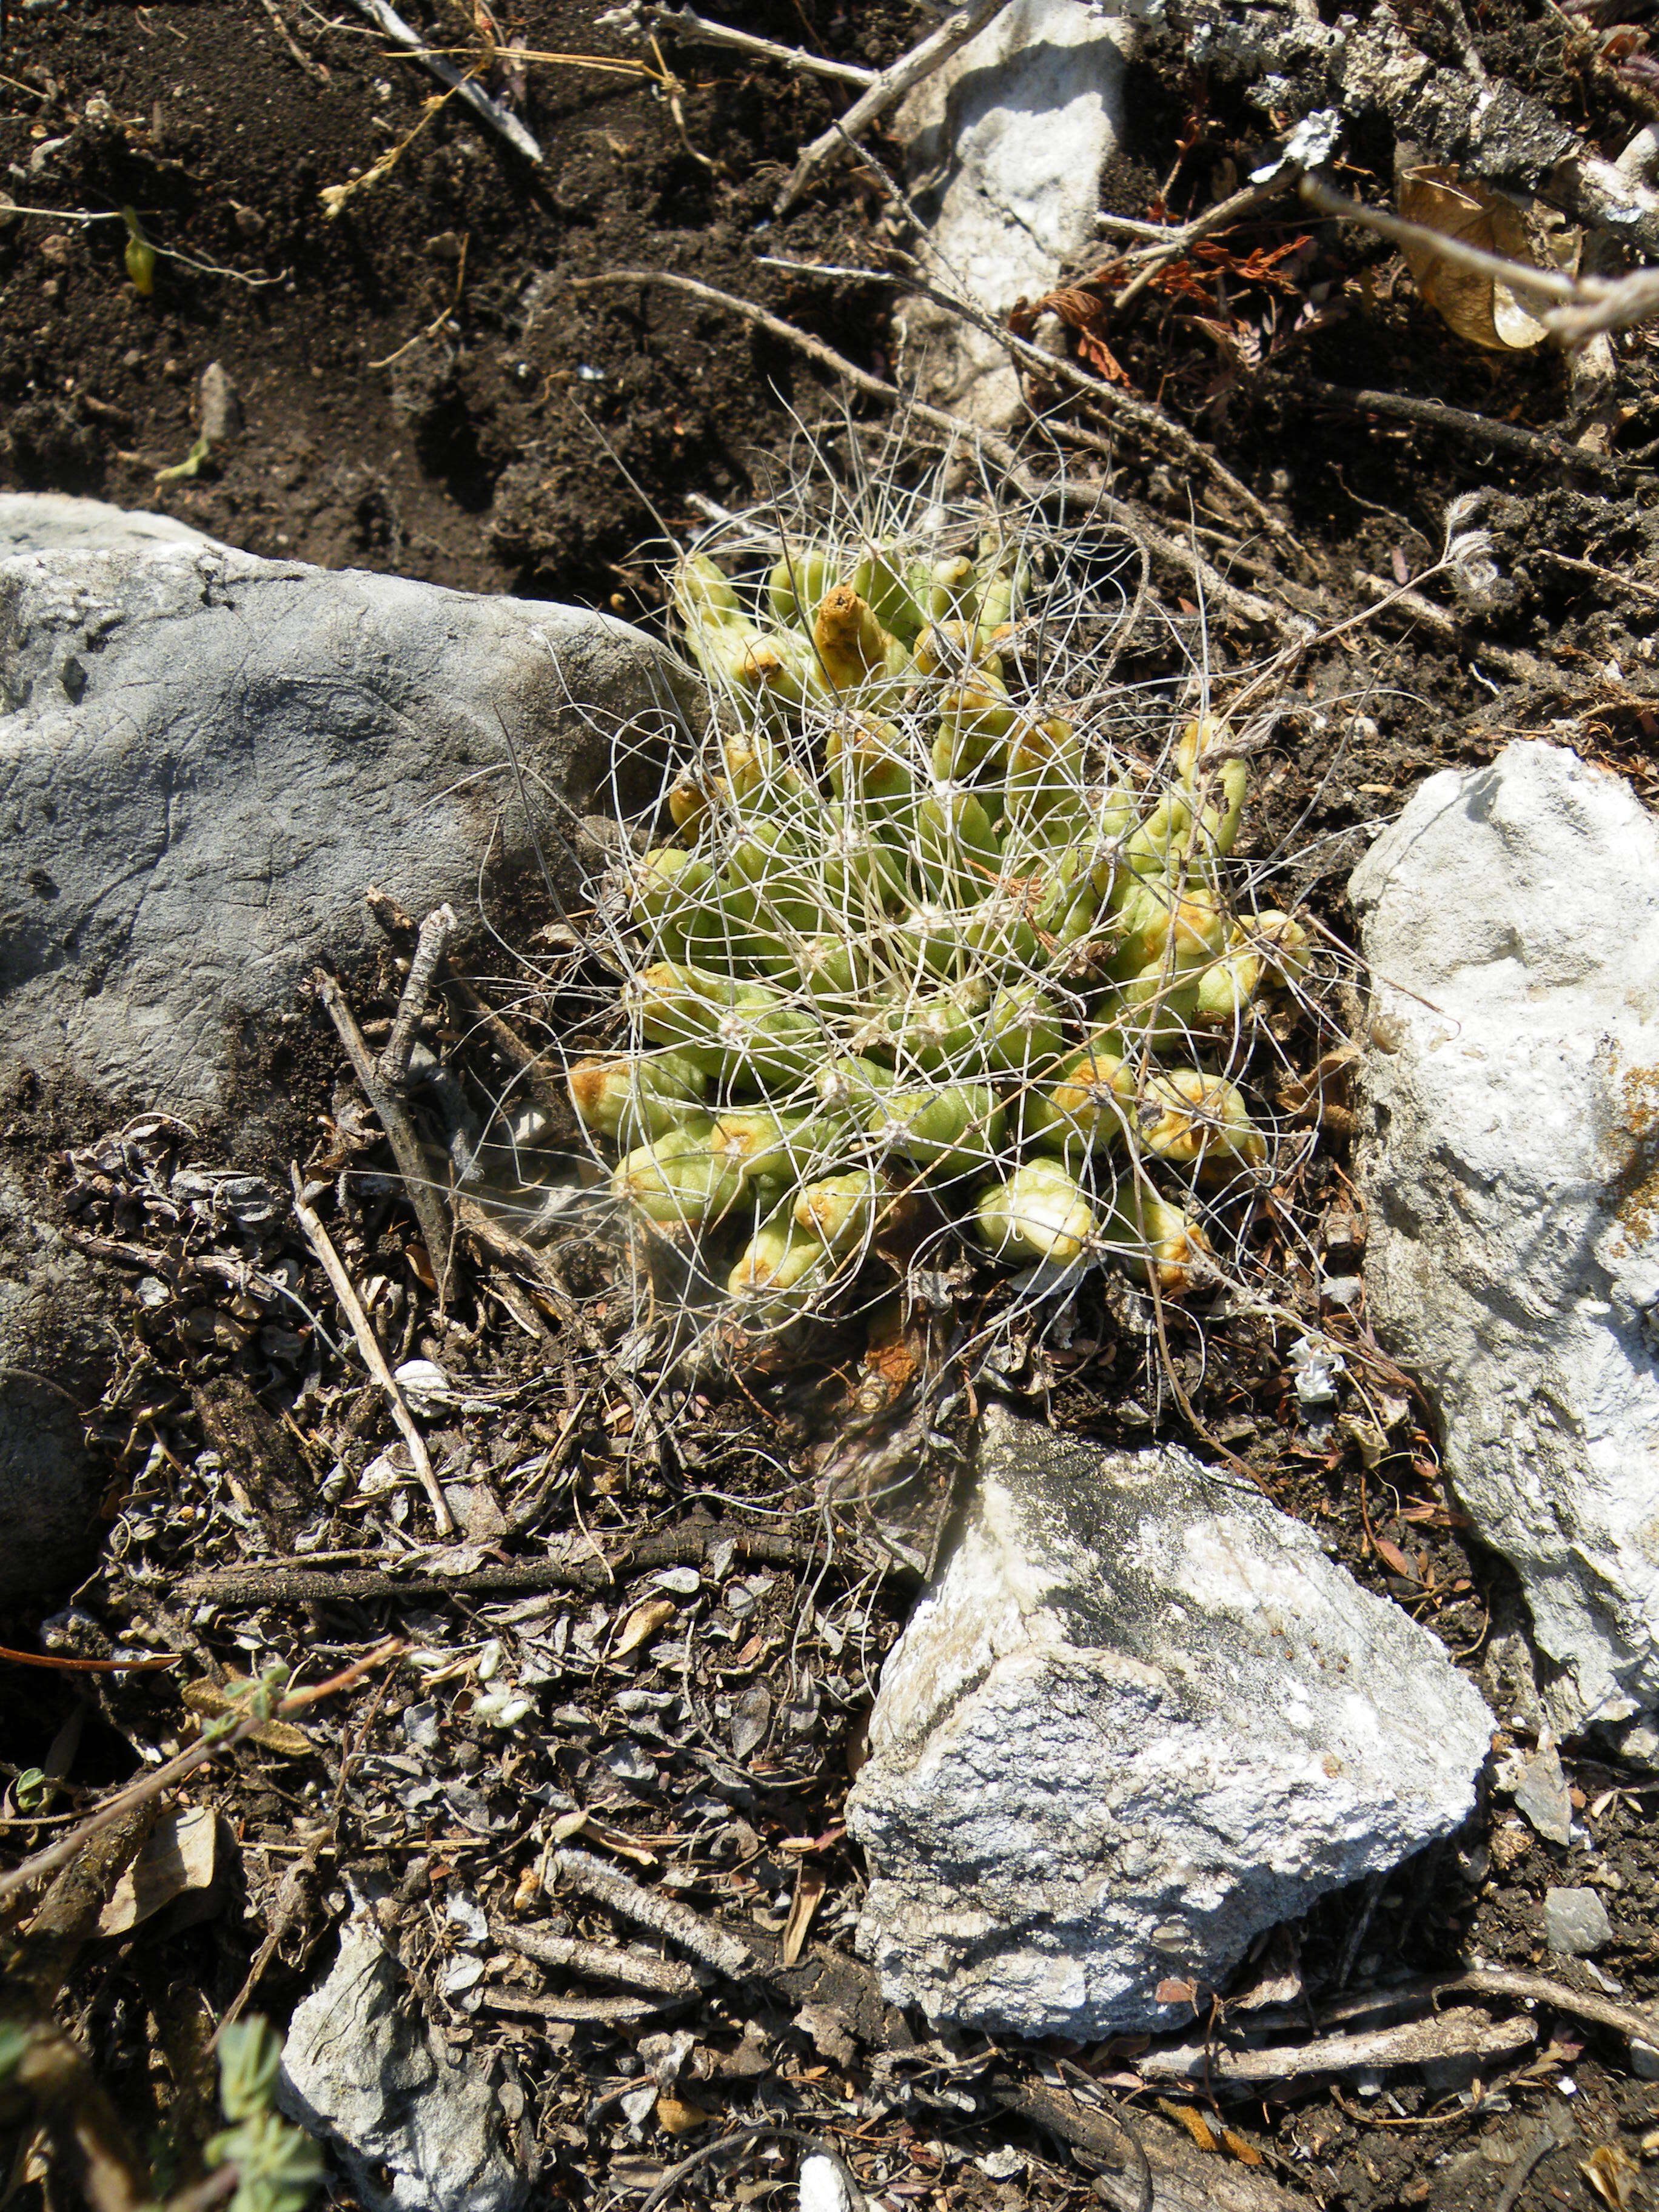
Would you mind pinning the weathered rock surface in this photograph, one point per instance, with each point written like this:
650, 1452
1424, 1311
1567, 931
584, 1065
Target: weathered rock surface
204, 761
1511, 919
416, 2132
1139, 1717
1575, 1923
1006, 145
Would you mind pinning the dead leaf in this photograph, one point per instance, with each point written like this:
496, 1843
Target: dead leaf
178, 1856
1174, 1992
1395, 1559
1193, 2120
215, 1702
678, 2117
1479, 308
644, 1620
808, 1888
1613, 2175
1312, 1097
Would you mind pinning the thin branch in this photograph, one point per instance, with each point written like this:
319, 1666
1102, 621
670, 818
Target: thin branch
891, 85
648, 1908
1460, 2033
431, 1209
182, 1766
1141, 412
433, 943
1518, 276
1225, 213
1539, 1989
1507, 437
314, 70
685, 24
369, 1345
1223, 598
490, 111
600, 1962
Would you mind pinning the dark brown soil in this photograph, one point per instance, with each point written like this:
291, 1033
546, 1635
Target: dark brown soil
425, 390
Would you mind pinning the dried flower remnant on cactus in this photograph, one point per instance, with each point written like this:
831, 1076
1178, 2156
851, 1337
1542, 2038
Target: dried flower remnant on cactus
920, 930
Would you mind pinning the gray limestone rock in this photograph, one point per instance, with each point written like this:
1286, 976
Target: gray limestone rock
205, 759
1575, 1923
416, 2131
1511, 920
1006, 145
1139, 1717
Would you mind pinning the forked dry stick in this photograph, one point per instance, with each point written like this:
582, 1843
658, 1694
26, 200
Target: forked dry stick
382, 13
430, 1208
685, 24
176, 1769
935, 50
369, 1345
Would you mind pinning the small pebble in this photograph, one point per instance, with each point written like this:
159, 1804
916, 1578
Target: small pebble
1542, 1797
1576, 1921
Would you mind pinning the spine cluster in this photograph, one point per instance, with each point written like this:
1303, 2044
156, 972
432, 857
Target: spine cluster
913, 933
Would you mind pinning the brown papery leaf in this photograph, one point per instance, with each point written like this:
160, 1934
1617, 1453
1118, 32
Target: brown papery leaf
1395, 1559
677, 2116
808, 1888
1477, 307
644, 1620
1613, 2175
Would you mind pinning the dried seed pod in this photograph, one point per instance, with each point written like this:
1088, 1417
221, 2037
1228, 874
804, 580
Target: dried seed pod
1036, 1214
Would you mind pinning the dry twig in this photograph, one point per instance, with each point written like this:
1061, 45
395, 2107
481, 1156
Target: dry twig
431, 1209
685, 24
911, 69
1462, 2033
1222, 597
369, 1345
725, 1954
601, 1962
382, 13
179, 1769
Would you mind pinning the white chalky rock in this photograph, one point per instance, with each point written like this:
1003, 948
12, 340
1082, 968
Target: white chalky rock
1511, 919
1007, 144
417, 2128
1139, 1717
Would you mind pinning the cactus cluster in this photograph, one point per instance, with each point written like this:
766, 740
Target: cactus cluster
908, 934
